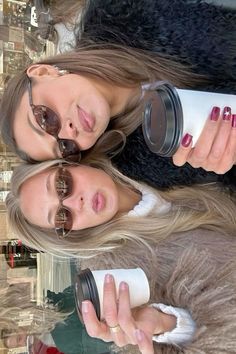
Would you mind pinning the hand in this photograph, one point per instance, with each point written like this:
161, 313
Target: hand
129, 327
215, 149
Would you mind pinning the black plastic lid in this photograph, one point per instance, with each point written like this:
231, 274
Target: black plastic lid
86, 289
163, 120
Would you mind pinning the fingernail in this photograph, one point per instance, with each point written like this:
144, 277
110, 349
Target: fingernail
234, 121
227, 113
139, 335
123, 286
85, 307
215, 113
108, 278
187, 139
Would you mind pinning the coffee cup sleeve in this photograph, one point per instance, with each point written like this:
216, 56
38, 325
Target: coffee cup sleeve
184, 330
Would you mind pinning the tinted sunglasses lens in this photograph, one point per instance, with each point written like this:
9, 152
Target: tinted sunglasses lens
68, 147
63, 183
74, 158
63, 222
47, 119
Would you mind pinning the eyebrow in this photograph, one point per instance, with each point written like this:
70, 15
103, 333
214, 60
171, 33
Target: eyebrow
42, 133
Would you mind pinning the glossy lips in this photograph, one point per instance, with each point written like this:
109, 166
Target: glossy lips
86, 120
98, 202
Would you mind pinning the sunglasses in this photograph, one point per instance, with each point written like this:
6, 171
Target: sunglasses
63, 219
49, 121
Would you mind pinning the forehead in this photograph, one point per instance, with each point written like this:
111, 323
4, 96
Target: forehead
36, 190
34, 186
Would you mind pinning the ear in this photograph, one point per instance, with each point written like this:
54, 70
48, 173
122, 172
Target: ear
39, 70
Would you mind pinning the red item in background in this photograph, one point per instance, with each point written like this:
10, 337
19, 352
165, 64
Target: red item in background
53, 350
38, 347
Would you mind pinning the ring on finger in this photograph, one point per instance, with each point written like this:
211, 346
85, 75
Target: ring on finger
115, 329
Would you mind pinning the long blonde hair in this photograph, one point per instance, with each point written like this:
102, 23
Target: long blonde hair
203, 206
15, 307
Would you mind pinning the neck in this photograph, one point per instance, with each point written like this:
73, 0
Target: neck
124, 98
120, 98
128, 198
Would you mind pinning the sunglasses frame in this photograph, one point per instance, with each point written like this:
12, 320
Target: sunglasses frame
60, 206
76, 157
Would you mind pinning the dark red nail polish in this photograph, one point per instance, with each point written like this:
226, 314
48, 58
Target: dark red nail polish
234, 121
227, 113
215, 113
187, 139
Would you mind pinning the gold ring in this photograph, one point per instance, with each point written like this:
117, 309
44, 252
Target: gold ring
115, 329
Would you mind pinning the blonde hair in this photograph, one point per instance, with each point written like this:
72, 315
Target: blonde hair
15, 307
118, 65
203, 206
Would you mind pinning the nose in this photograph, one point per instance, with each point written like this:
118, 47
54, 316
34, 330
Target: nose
68, 130
74, 203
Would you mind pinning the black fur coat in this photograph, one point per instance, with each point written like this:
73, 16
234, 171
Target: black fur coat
192, 31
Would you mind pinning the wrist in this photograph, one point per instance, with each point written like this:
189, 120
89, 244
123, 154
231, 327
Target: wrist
184, 329
168, 321
161, 322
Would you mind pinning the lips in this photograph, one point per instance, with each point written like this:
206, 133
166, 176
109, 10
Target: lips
98, 202
87, 121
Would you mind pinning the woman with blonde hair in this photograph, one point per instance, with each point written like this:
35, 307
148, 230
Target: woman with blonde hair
184, 240
93, 208
50, 111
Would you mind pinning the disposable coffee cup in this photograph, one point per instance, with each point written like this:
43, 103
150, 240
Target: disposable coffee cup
89, 286
170, 113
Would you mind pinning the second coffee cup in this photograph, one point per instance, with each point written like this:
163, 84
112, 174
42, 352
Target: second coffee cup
89, 286
170, 113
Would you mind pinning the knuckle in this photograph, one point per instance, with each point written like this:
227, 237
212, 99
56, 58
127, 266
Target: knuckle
216, 154
93, 332
199, 155
178, 161
110, 317
220, 171
223, 169
123, 320
120, 343
194, 164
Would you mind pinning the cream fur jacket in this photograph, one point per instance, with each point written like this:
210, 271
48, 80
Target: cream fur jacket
195, 271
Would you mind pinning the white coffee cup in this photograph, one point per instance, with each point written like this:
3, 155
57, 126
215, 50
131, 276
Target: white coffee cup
89, 286
170, 113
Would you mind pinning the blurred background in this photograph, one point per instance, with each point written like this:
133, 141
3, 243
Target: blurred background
26, 35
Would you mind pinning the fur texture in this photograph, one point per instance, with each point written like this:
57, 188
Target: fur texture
196, 271
195, 33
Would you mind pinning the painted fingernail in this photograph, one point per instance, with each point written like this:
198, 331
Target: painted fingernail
227, 113
139, 335
215, 113
187, 139
85, 307
234, 121
108, 278
123, 286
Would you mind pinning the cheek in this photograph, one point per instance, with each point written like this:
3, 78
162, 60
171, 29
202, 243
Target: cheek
86, 142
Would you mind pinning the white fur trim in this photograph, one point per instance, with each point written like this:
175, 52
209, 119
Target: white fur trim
185, 326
